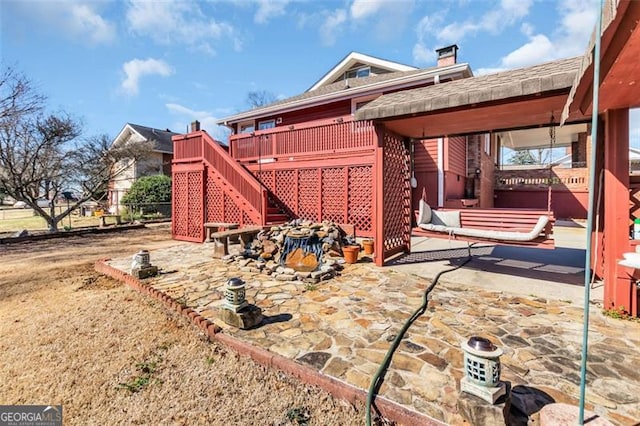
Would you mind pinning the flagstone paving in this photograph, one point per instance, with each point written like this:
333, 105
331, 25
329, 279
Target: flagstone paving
343, 327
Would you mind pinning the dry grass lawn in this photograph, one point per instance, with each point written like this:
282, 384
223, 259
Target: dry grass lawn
111, 356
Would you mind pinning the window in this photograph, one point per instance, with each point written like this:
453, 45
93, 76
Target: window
357, 103
268, 124
247, 127
358, 72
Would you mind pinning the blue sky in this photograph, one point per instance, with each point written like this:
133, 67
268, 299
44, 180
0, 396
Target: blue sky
164, 63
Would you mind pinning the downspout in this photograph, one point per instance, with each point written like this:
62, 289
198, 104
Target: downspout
590, 214
440, 172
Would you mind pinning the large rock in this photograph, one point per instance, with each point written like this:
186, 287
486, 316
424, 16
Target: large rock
244, 319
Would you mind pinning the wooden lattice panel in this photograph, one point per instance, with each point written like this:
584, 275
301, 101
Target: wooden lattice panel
360, 206
397, 193
232, 212
268, 179
246, 220
180, 200
308, 194
334, 196
189, 205
287, 189
215, 201
196, 206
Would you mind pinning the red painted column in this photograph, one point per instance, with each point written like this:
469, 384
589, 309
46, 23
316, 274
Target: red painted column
618, 287
378, 194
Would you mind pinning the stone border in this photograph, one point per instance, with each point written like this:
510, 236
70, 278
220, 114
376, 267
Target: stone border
335, 387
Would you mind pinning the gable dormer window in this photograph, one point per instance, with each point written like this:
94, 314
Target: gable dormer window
358, 72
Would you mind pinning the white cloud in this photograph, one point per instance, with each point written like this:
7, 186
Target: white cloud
570, 38
537, 50
363, 8
493, 21
206, 119
268, 9
86, 22
169, 22
422, 54
79, 21
137, 68
332, 26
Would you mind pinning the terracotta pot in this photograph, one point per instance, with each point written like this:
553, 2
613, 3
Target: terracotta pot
350, 253
368, 246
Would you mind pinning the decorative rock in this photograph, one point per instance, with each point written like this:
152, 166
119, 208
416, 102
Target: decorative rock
142, 273
244, 319
21, 233
315, 359
286, 277
479, 412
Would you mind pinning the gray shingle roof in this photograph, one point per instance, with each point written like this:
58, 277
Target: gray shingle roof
162, 137
492, 87
334, 88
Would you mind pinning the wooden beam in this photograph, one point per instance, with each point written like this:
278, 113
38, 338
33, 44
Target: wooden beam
618, 286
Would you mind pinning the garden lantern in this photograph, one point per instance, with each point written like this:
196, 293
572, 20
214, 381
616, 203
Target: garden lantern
482, 369
142, 259
234, 295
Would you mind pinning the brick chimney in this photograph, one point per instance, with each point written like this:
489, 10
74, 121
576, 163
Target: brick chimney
195, 126
447, 55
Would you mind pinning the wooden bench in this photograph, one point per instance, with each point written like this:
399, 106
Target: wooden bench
499, 219
221, 239
211, 227
103, 219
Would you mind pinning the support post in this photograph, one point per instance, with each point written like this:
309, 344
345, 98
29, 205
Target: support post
618, 289
378, 191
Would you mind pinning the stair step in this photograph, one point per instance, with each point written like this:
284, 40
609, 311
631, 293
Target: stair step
281, 218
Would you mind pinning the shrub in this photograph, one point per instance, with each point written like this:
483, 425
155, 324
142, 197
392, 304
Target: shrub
148, 191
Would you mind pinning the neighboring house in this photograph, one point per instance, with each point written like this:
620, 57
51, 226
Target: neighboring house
159, 162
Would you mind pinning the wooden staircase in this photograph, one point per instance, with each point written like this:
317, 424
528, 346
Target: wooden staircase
241, 185
275, 215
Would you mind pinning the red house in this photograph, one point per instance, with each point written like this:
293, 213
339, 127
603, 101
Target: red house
367, 140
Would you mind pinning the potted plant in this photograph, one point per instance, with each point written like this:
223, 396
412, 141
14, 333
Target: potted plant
368, 246
350, 253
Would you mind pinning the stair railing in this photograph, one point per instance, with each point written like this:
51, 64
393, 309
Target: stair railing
237, 176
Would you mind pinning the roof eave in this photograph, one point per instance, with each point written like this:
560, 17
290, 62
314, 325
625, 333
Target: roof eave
347, 93
342, 66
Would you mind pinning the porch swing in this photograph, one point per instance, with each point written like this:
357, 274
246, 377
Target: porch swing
502, 226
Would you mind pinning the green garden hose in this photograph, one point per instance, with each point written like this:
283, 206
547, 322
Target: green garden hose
377, 380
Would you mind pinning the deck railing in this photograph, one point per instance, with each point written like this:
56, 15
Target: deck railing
187, 148
536, 178
198, 146
339, 135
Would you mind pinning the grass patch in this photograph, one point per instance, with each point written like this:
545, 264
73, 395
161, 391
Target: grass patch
299, 416
36, 223
145, 371
620, 313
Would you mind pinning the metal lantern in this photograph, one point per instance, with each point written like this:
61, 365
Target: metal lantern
142, 259
482, 369
234, 295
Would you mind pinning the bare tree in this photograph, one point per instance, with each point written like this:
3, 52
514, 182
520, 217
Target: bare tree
259, 98
42, 156
17, 96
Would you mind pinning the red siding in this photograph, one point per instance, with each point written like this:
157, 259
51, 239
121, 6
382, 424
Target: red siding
426, 155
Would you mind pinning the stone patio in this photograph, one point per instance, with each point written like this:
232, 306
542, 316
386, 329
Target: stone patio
344, 326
